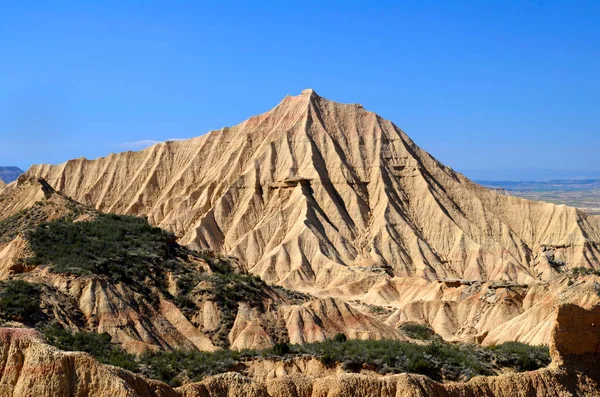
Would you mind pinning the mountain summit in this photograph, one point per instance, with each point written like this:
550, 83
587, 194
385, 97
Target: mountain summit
322, 196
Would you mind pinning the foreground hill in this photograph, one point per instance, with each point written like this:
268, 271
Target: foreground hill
31, 368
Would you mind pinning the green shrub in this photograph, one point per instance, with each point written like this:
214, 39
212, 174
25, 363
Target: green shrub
20, 301
417, 331
179, 366
98, 345
281, 349
584, 271
341, 338
521, 356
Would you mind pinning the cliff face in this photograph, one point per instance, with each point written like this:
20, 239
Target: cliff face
31, 368
315, 194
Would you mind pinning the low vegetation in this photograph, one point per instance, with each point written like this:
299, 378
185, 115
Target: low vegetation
521, 356
20, 301
438, 360
124, 248
180, 367
418, 331
584, 271
98, 345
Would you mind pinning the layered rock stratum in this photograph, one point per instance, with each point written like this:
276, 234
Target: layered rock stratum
332, 200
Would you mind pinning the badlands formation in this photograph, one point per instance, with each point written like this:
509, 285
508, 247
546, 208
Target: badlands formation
364, 231
332, 200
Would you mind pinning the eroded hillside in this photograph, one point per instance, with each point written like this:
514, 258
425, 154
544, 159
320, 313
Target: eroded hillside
119, 275
334, 201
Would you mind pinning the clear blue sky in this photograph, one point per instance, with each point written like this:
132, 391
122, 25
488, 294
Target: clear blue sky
487, 86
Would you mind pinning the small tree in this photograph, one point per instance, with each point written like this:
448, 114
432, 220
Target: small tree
340, 338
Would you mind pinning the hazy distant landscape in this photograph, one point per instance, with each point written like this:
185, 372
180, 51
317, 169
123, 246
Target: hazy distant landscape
583, 194
9, 174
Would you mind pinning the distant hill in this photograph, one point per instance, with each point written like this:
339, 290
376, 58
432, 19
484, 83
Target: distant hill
10, 174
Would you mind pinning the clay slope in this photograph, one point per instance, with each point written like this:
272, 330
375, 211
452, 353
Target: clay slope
314, 193
219, 308
30, 367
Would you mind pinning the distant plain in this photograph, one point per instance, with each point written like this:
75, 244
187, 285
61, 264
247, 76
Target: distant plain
581, 193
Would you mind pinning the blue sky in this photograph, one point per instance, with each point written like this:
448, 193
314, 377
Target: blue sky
484, 86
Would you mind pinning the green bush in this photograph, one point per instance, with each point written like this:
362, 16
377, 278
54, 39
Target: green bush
281, 349
98, 345
584, 271
521, 356
340, 338
20, 301
417, 331
179, 366
122, 248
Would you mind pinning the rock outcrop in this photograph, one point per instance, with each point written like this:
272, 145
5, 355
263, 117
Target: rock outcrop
28, 367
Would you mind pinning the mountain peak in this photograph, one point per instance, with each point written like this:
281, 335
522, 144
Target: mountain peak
308, 91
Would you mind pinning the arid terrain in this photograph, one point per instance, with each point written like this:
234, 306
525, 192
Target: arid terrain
276, 245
